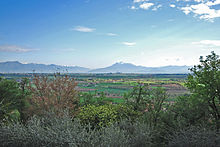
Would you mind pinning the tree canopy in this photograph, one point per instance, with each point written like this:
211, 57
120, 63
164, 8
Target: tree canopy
204, 83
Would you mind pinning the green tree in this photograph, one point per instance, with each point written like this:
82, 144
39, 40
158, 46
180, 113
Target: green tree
186, 111
104, 115
12, 99
138, 96
149, 101
204, 84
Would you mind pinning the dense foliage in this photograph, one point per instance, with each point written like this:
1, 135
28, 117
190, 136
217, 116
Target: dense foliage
204, 84
12, 100
51, 130
60, 116
105, 115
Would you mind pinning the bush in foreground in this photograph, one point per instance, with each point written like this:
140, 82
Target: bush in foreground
105, 115
46, 131
51, 130
193, 137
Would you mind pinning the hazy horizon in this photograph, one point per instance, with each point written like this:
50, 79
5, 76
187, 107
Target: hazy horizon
98, 33
121, 62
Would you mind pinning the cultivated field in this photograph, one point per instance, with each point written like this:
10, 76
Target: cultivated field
114, 85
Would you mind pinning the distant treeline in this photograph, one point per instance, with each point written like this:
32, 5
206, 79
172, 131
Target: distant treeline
103, 76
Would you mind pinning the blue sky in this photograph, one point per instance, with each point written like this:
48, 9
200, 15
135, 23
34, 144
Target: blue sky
98, 33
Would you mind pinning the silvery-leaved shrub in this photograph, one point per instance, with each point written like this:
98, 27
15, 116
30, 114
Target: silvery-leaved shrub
53, 130
195, 137
49, 130
126, 133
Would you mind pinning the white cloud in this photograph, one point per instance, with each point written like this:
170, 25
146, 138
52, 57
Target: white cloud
146, 6
211, 3
215, 43
203, 10
111, 34
14, 48
83, 29
198, 1
133, 7
156, 7
129, 43
172, 5
138, 1
186, 10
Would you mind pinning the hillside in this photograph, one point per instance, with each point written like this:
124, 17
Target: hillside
131, 68
17, 67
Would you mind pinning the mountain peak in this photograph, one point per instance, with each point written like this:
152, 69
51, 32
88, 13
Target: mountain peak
121, 62
131, 68
12, 62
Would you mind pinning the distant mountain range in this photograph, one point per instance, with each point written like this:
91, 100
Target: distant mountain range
17, 67
131, 68
120, 67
